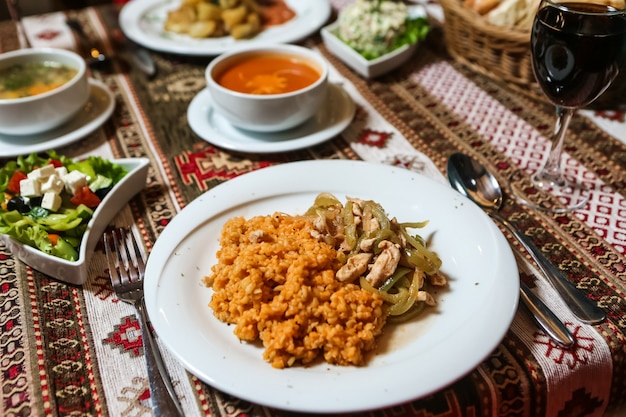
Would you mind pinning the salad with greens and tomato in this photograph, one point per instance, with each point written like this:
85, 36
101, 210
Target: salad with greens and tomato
374, 28
47, 201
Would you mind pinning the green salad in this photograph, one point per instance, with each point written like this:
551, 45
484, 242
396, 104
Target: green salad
376, 27
47, 201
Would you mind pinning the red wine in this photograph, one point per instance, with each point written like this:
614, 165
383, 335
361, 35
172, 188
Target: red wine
577, 55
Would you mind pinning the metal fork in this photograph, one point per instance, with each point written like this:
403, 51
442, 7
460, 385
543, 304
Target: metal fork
127, 268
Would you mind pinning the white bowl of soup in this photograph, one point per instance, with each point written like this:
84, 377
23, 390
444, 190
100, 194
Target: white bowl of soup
40, 89
268, 88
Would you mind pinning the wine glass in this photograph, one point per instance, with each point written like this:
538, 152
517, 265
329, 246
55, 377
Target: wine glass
577, 48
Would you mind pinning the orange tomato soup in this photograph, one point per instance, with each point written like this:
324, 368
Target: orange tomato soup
269, 74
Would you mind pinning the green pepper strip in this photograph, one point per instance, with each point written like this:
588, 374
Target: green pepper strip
422, 257
387, 297
415, 310
393, 279
379, 213
322, 202
413, 225
406, 304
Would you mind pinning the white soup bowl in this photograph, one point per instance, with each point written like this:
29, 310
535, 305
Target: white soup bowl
267, 112
42, 112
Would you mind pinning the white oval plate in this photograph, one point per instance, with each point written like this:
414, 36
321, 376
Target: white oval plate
414, 359
142, 21
331, 119
96, 111
77, 272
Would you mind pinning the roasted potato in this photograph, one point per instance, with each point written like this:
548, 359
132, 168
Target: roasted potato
204, 18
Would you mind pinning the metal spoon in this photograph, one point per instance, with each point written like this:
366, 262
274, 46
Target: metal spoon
544, 317
94, 57
473, 180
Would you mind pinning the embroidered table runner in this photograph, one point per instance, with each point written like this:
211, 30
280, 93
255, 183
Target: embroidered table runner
69, 350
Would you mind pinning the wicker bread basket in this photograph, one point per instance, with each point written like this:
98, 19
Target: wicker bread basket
502, 54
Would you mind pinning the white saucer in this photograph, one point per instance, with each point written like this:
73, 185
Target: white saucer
332, 118
96, 111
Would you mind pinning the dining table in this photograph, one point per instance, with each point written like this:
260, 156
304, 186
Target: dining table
76, 350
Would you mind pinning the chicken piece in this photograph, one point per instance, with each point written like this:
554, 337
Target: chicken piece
370, 223
319, 223
385, 264
426, 297
367, 245
437, 279
354, 267
356, 207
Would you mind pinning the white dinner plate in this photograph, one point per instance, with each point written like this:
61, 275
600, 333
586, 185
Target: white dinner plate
414, 359
142, 21
96, 111
334, 115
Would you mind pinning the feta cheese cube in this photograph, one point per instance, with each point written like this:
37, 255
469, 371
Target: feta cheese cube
74, 180
30, 188
41, 173
61, 171
51, 201
52, 184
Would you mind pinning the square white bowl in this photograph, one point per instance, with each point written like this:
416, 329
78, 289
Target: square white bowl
76, 272
366, 68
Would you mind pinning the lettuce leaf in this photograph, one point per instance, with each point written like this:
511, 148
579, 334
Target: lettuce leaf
416, 29
29, 232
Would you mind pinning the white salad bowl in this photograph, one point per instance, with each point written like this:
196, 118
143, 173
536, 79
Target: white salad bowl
76, 272
375, 67
366, 68
42, 112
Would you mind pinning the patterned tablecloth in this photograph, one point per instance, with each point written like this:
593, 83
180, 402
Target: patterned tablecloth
76, 350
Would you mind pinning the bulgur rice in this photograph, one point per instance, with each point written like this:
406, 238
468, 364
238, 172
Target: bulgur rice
276, 283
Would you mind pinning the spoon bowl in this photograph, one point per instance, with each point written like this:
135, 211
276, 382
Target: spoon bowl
94, 57
471, 179
474, 181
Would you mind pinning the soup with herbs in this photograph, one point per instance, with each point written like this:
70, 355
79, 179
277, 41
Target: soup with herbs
269, 74
32, 78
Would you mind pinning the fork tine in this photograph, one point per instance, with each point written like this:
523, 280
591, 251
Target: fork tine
130, 254
124, 269
112, 258
138, 254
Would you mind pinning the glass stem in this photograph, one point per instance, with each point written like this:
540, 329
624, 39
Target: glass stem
551, 171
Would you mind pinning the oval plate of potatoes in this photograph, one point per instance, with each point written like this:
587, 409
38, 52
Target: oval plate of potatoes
211, 27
